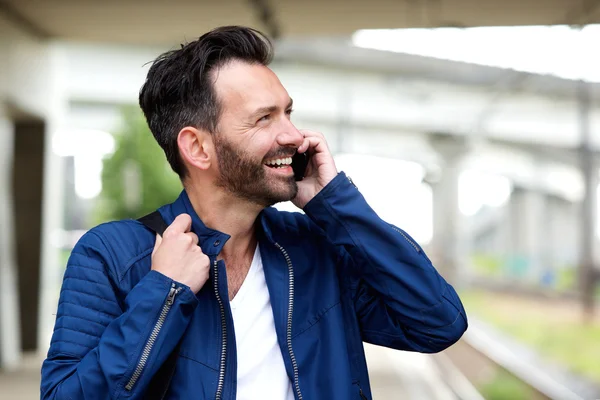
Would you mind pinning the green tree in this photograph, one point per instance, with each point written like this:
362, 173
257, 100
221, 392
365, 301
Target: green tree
136, 178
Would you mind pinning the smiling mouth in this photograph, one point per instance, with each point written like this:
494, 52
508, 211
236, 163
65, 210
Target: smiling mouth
279, 163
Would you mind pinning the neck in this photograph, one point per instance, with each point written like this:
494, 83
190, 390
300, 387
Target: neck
228, 214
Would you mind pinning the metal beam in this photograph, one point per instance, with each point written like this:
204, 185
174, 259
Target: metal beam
338, 54
14, 15
569, 156
507, 85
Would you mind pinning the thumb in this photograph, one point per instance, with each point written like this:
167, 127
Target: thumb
181, 224
157, 243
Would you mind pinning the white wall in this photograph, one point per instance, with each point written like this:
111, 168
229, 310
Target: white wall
108, 74
9, 311
29, 87
24, 79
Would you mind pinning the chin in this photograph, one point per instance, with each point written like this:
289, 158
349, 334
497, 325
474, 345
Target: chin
280, 195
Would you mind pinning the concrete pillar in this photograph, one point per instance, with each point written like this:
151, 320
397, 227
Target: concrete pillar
588, 274
561, 247
10, 344
53, 196
450, 241
529, 235
27, 208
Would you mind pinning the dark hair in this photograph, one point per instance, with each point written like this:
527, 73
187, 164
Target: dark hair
178, 91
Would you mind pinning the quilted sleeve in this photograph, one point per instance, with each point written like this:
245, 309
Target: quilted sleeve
105, 348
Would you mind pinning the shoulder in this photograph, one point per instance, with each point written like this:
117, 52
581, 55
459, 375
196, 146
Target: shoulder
292, 223
116, 244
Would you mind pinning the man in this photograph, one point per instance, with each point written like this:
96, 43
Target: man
256, 303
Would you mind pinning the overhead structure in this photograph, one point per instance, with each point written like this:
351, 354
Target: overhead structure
162, 22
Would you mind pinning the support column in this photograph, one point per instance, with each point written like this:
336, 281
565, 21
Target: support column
563, 235
528, 235
53, 198
27, 175
587, 272
10, 344
450, 241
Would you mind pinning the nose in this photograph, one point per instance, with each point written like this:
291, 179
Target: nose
290, 136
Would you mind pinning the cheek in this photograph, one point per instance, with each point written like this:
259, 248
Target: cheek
260, 145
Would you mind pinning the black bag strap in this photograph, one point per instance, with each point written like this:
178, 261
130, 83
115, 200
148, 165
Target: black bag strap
155, 222
159, 385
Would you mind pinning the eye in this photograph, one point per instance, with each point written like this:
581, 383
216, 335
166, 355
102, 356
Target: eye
264, 118
289, 112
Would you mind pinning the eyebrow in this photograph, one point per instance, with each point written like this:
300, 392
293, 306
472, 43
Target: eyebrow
270, 109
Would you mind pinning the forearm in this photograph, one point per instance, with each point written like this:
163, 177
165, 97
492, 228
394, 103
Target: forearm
130, 349
393, 265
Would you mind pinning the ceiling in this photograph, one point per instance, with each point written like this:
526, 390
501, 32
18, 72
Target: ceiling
158, 22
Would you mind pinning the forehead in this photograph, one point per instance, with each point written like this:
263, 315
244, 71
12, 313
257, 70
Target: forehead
245, 87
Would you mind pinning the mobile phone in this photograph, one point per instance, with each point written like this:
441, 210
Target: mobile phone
299, 164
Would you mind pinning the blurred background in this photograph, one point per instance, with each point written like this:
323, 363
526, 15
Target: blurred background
472, 124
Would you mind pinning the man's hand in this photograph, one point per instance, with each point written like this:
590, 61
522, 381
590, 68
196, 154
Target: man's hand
178, 256
321, 167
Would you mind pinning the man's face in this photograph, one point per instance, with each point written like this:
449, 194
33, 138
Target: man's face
254, 131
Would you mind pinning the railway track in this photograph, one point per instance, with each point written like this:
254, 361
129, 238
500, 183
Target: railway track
483, 351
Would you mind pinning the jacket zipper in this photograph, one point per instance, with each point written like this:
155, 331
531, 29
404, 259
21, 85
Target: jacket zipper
362, 394
152, 339
223, 334
407, 239
289, 320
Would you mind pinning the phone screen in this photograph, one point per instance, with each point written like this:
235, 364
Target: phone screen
299, 164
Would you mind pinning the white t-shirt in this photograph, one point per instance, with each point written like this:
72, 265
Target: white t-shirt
260, 369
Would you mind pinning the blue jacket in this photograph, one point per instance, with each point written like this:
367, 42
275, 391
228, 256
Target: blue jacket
337, 276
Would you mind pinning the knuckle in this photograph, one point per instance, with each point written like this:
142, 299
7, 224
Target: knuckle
169, 234
185, 238
204, 259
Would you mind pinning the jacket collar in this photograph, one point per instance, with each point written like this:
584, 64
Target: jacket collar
211, 240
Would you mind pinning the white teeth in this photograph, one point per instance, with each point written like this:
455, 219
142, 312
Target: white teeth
280, 161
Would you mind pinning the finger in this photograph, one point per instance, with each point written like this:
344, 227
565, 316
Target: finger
194, 237
311, 139
157, 243
315, 143
181, 224
308, 133
304, 146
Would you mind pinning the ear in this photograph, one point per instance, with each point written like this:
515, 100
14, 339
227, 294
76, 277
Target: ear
195, 147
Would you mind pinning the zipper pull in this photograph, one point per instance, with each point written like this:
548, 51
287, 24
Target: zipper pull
172, 293
362, 395
351, 181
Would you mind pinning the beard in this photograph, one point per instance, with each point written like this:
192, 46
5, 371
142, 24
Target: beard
246, 178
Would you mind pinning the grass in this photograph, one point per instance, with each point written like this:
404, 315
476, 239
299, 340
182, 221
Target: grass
504, 386
562, 278
555, 330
